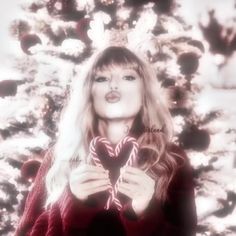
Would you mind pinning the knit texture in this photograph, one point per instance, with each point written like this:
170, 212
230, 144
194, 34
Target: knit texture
71, 217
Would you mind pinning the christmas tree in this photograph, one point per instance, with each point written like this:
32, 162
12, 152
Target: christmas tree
192, 49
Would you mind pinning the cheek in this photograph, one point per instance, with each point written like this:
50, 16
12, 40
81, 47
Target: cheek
133, 99
135, 93
98, 93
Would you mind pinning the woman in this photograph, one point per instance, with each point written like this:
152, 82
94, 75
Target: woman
120, 97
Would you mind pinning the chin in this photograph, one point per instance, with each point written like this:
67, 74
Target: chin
119, 115
118, 112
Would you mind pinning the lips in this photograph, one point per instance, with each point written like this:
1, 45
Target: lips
113, 97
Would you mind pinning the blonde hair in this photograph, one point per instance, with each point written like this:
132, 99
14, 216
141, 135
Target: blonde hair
78, 125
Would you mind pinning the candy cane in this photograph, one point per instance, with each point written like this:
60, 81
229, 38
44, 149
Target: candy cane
107, 144
129, 162
96, 159
114, 153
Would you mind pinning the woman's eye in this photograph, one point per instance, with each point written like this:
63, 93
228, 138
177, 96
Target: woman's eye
100, 79
129, 77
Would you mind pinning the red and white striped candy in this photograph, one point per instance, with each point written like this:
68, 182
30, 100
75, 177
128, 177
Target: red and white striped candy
114, 153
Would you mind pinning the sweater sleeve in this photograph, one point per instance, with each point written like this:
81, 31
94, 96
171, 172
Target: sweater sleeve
177, 216
76, 215
180, 209
66, 215
35, 201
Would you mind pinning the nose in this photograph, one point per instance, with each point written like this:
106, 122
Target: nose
113, 83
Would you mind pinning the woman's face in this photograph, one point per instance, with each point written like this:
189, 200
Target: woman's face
117, 93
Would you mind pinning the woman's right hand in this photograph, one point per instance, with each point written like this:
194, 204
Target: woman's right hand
88, 179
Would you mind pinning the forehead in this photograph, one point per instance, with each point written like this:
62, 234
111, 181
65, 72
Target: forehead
113, 67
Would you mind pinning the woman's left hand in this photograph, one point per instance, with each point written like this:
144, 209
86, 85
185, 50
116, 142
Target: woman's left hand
137, 185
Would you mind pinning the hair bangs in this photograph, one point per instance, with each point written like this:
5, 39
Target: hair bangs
116, 56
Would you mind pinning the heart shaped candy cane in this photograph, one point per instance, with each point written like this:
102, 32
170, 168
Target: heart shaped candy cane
114, 153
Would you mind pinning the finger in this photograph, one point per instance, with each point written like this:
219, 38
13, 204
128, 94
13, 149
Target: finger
97, 189
94, 184
138, 177
85, 168
132, 170
126, 191
138, 190
132, 188
141, 175
84, 193
131, 178
85, 177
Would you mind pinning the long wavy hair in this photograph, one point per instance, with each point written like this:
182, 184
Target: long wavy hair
78, 125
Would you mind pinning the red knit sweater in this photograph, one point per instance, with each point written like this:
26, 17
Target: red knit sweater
71, 217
